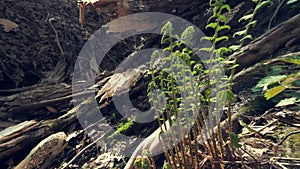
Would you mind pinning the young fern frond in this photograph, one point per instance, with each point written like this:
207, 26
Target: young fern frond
178, 77
244, 33
217, 22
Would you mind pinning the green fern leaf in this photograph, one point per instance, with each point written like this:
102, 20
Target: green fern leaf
246, 37
226, 38
286, 102
155, 55
223, 27
167, 48
210, 18
223, 50
263, 4
212, 3
234, 140
187, 34
246, 17
222, 18
209, 38
291, 1
230, 96
221, 96
234, 47
270, 93
234, 66
212, 25
167, 29
239, 33
253, 24
206, 49
265, 82
225, 6
227, 62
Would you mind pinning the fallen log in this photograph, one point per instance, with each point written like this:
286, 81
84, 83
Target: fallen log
29, 99
283, 36
28, 133
42, 154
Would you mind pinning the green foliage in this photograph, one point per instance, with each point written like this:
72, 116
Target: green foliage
292, 59
234, 140
276, 83
123, 127
287, 101
226, 96
218, 22
269, 80
180, 63
215, 21
291, 1
142, 162
167, 165
274, 91
179, 77
263, 4
175, 79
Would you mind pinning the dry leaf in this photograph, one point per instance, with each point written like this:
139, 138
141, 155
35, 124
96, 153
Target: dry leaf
51, 109
8, 25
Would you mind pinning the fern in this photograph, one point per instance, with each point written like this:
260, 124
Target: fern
178, 77
276, 83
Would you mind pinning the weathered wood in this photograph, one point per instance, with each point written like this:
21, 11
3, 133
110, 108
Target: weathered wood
256, 72
284, 35
150, 144
11, 136
119, 84
42, 154
15, 131
30, 99
21, 136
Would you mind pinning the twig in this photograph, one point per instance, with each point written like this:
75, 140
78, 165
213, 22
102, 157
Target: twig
291, 133
275, 13
83, 150
280, 165
249, 154
261, 129
282, 162
57, 39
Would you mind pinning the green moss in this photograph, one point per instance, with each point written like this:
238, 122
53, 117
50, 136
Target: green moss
123, 127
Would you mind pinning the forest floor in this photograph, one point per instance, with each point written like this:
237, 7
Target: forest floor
40, 41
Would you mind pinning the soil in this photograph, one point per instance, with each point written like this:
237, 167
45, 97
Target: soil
31, 50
